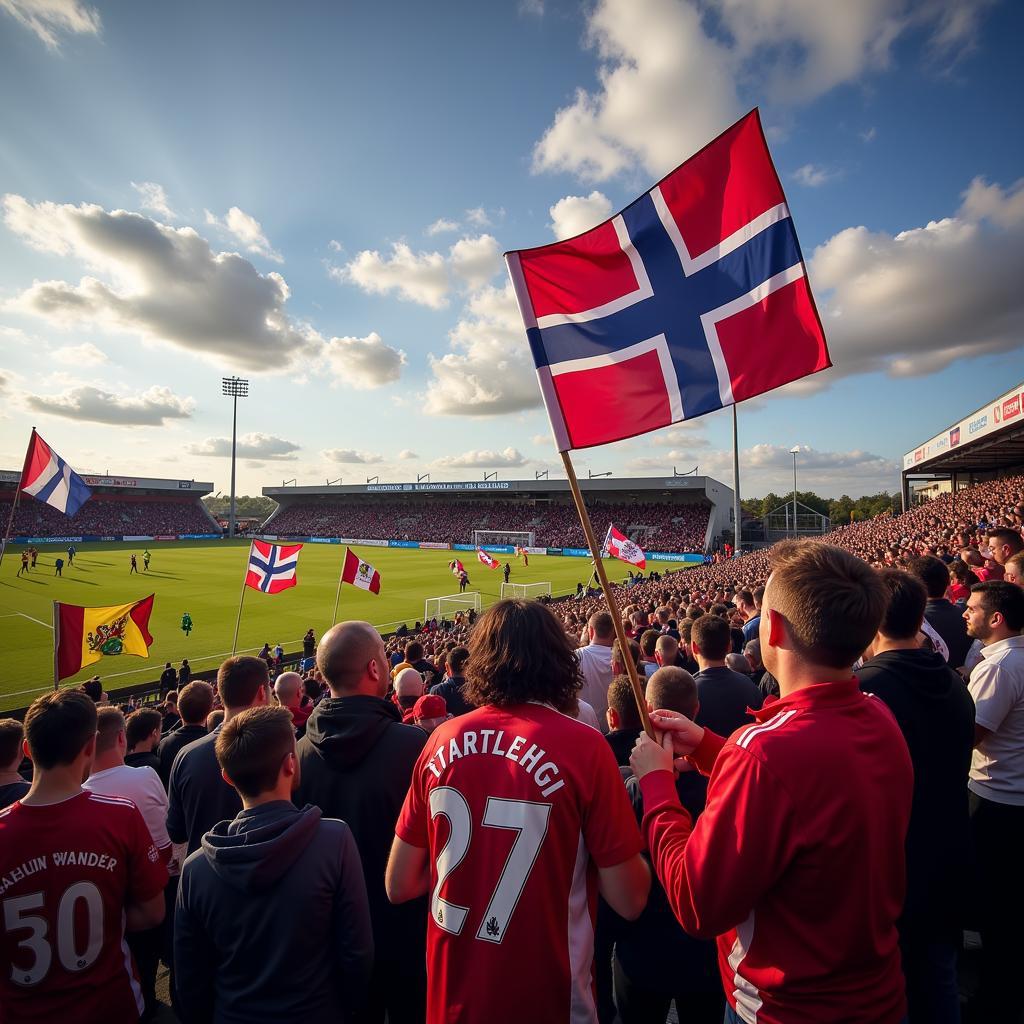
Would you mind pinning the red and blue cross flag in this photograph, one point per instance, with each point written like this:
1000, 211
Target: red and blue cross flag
693, 298
48, 478
272, 567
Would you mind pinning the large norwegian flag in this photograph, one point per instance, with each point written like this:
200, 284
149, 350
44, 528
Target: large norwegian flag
691, 299
48, 478
272, 566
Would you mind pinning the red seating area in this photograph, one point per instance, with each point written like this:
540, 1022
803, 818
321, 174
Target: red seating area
101, 515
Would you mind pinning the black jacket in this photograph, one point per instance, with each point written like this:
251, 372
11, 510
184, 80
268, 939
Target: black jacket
724, 697
935, 713
168, 747
451, 691
948, 621
271, 922
356, 763
198, 797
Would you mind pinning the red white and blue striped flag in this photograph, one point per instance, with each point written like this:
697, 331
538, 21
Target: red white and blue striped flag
48, 478
693, 298
272, 567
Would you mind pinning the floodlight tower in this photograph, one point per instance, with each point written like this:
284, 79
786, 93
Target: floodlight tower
235, 388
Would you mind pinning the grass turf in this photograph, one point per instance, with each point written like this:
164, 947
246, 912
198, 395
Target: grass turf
204, 578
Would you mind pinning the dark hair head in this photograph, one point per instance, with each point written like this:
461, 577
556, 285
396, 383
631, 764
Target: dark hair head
57, 727
648, 641
962, 573
214, 718
140, 724
997, 536
623, 703
672, 689
1005, 598
831, 599
195, 702
712, 637
251, 747
413, 652
93, 689
932, 572
617, 658
240, 679
517, 653
905, 610
457, 660
12, 732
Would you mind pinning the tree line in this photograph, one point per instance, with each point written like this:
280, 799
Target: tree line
840, 510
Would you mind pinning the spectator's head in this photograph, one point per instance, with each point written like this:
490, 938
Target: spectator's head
933, 573
666, 650
243, 682
752, 652
60, 732
142, 729
413, 652
256, 754
710, 640
409, 687
904, 612
12, 738
287, 688
457, 659
172, 699
519, 653
1013, 570
93, 689
195, 702
673, 689
737, 662
822, 607
619, 662
648, 641
601, 629
1004, 543
430, 711
352, 659
111, 738
214, 719
995, 611
622, 711
758, 593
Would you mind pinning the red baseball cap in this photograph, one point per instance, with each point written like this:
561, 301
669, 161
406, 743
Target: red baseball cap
430, 705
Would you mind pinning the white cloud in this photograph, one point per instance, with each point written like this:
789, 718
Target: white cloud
475, 260
84, 402
482, 459
166, 285
407, 453
478, 217
86, 354
443, 226
572, 215
669, 70
813, 175
50, 19
914, 302
247, 231
365, 362
870, 135
532, 8
417, 277
153, 197
350, 455
250, 446
335, 246
489, 370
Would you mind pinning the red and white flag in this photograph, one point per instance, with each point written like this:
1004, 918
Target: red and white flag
456, 567
491, 563
619, 546
359, 573
272, 567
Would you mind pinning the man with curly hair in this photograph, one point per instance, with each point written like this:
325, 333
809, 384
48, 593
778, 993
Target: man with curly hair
515, 818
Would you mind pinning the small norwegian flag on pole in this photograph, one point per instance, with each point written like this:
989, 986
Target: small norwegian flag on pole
271, 569
619, 546
491, 563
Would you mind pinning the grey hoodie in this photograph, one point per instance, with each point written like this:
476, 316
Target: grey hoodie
272, 922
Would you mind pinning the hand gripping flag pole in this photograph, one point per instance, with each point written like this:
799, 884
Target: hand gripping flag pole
691, 299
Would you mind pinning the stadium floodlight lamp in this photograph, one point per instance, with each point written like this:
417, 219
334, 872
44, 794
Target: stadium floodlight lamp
794, 451
235, 388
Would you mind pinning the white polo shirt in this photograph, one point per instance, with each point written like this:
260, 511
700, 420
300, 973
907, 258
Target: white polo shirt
143, 787
596, 666
997, 686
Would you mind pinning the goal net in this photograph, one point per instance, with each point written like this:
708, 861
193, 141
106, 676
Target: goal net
526, 590
506, 538
449, 604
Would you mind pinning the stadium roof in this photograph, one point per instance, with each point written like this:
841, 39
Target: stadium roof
124, 483
708, 486
990, 438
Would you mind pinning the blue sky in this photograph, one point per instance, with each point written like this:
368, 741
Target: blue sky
317, 197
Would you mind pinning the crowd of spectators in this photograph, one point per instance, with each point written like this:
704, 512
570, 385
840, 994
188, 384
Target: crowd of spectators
105, 516
656, 526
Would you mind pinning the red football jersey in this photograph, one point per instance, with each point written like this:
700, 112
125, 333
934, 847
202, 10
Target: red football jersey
66, 873
518, 807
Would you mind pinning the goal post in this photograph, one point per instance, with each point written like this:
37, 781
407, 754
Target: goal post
448, 604
504, 538
526, 590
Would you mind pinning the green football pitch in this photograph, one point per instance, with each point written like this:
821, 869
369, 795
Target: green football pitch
205, 579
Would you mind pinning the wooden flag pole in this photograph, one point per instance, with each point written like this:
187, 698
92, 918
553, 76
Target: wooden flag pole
241, 601
620, 632
337, 596
17, 497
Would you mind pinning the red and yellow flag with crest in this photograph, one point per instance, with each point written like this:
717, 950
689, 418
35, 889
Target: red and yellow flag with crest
83, 636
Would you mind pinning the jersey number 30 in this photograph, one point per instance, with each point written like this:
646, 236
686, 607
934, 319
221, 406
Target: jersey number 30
529, 820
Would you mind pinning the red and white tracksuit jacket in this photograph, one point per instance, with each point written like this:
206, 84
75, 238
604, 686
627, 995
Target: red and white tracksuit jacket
797, 864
